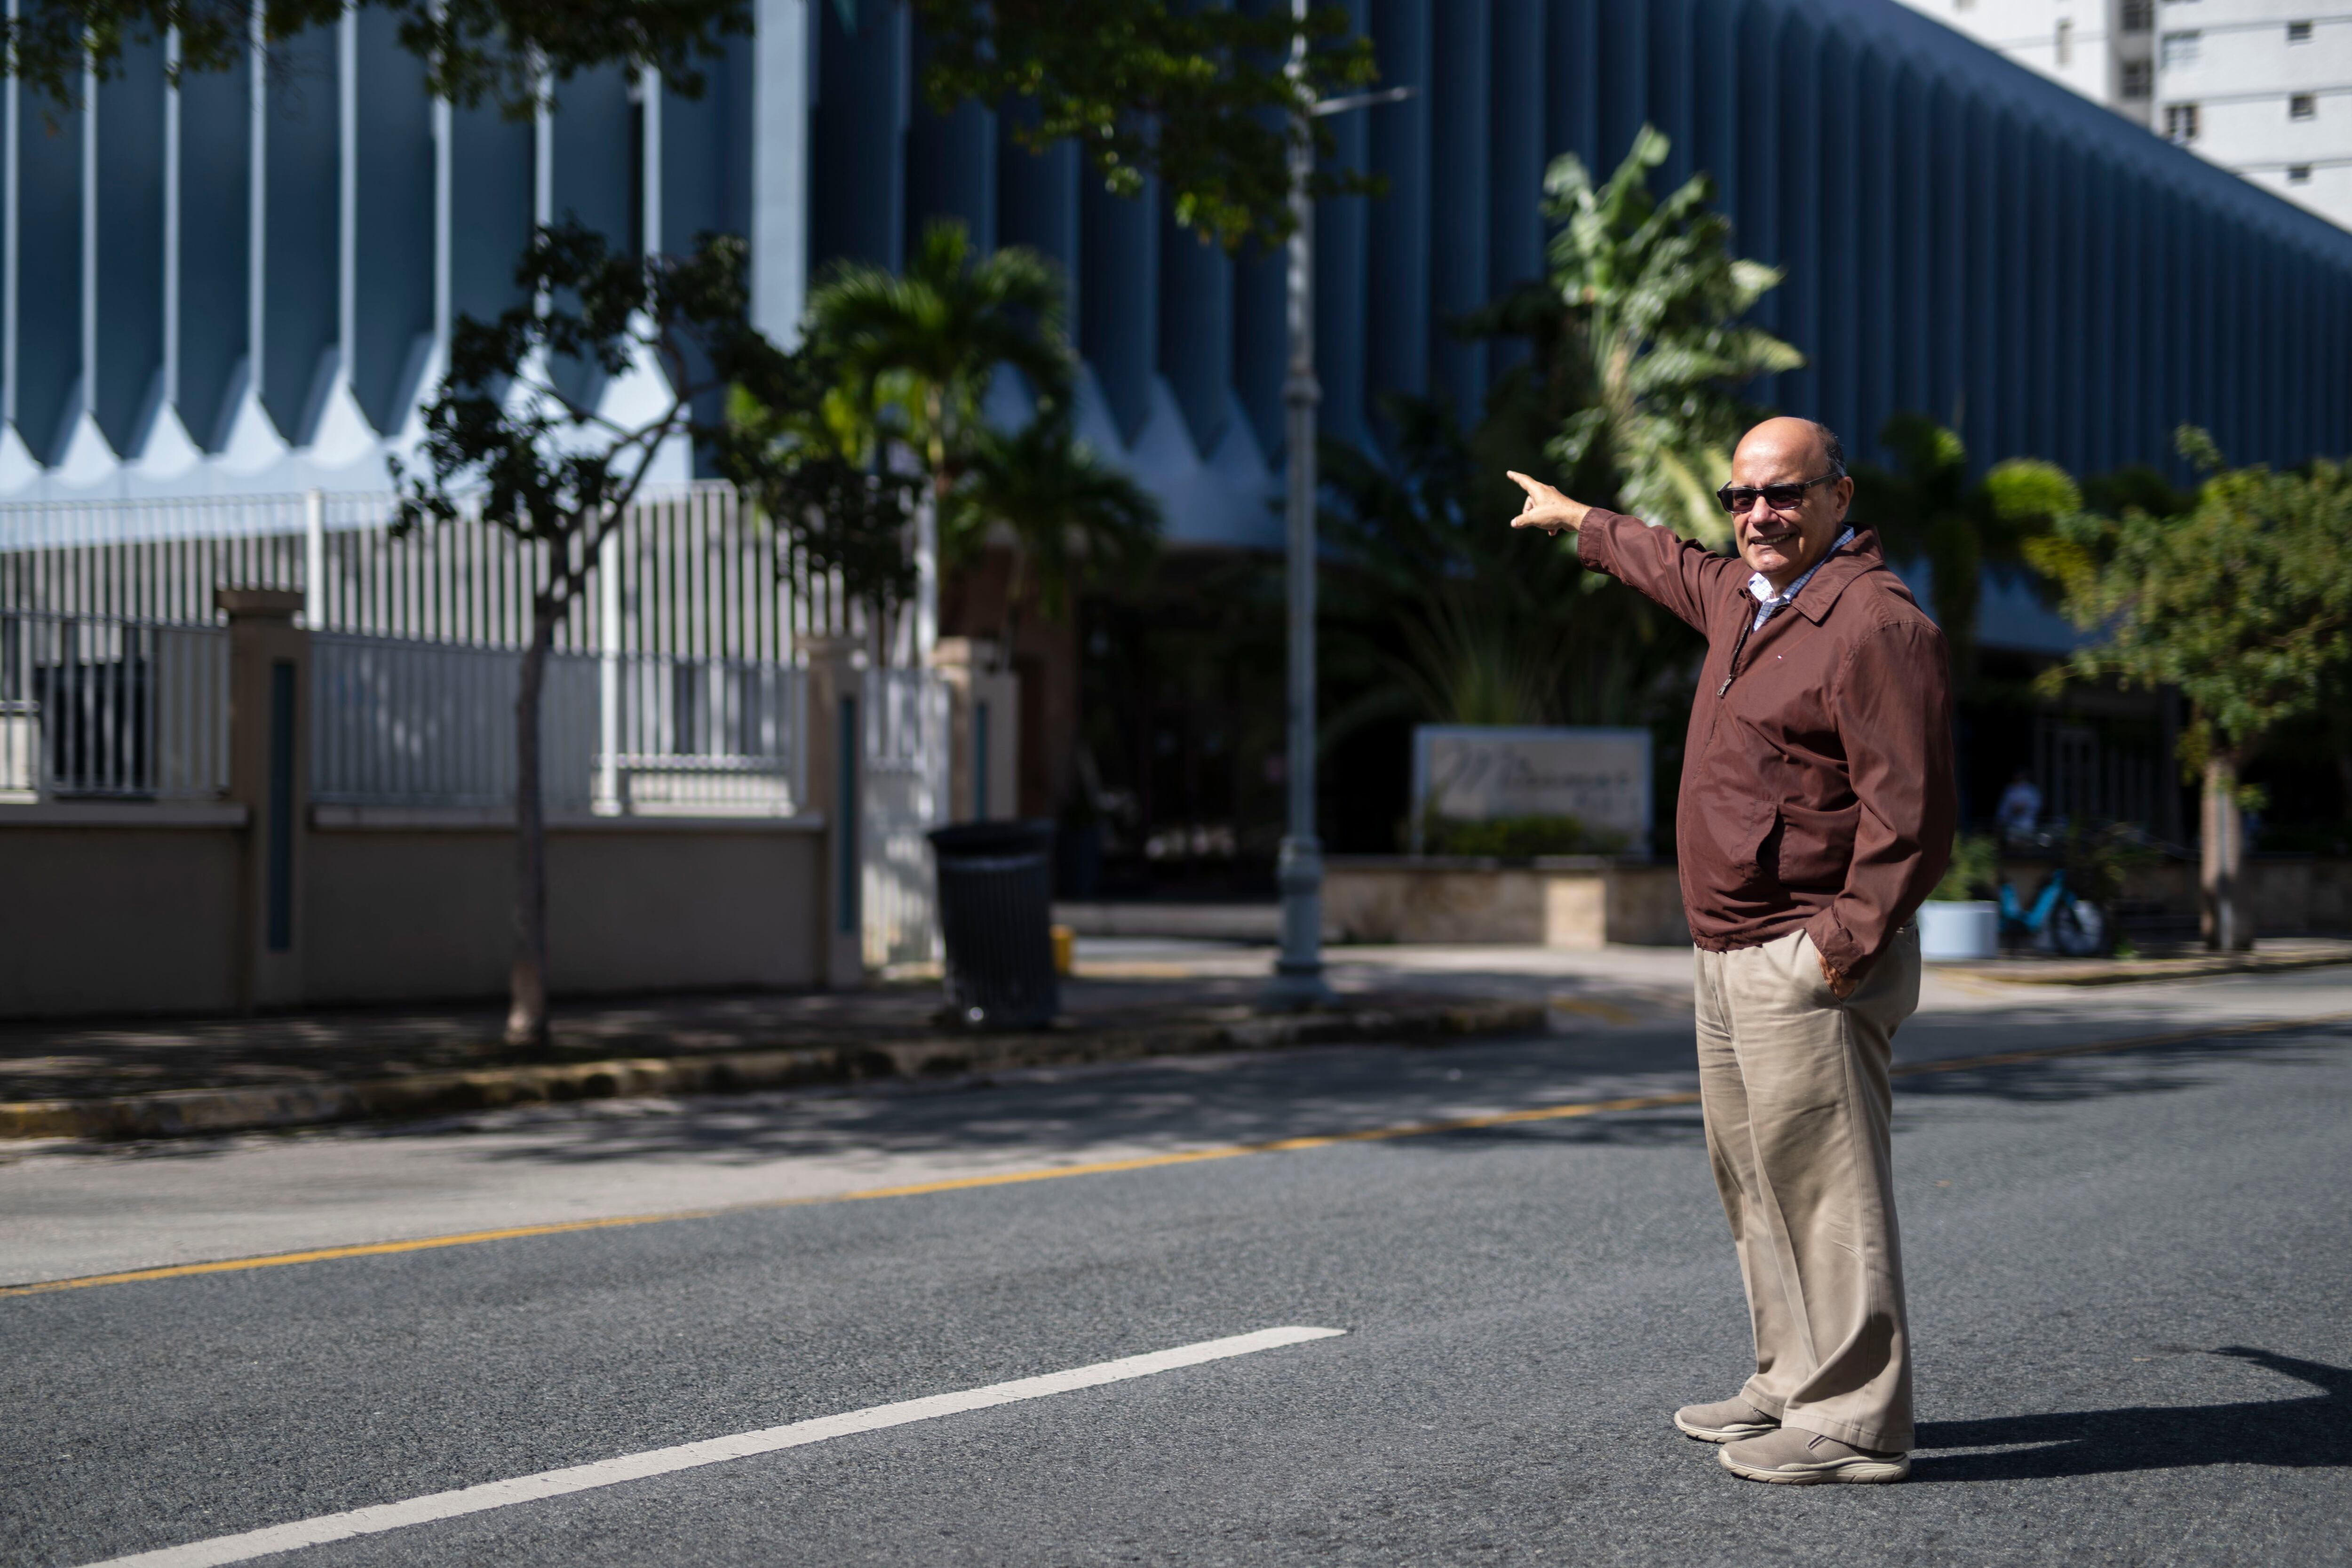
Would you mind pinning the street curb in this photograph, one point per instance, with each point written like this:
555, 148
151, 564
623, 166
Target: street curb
191, 1113
2128, 971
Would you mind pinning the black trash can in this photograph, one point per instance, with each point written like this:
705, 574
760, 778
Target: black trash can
996, 914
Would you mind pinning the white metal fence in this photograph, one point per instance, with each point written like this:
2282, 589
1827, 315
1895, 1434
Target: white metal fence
906, 725
397, 722
98, 706
691, 571
700, 736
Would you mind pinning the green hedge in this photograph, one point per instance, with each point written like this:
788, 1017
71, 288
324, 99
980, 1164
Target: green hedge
1517, 838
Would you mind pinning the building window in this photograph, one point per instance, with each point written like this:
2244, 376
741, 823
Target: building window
2180, 121
2138, 15
2303, 106
2298, 174
2138, 78
2298, 32
2065, 41
2181, 49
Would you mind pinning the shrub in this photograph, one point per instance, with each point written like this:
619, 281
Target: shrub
1517, 838
1975, 867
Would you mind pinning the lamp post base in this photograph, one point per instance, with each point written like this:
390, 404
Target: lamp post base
1298, 984
1291, 992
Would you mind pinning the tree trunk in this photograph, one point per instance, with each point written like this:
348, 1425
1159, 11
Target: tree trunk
527, 985
2221, 861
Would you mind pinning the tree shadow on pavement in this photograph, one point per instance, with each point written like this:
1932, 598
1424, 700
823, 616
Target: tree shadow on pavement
1316, 1092
1254, 1096
2300, 1434
2105, 1070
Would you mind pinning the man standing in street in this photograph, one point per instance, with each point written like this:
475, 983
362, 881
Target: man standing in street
1816, 811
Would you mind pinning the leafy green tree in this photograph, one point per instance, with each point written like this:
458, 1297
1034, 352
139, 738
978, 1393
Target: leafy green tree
1070, 520
1927, 509
504, 441
1434, 620
1201, 96
2244, 602
1648, 349
504, 51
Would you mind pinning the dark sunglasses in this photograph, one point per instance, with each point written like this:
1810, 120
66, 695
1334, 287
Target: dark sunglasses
1780, 498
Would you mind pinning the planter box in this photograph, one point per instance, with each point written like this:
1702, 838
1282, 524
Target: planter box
1572, 901
1958, 929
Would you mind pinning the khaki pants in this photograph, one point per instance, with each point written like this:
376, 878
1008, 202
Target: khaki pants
1794, 1087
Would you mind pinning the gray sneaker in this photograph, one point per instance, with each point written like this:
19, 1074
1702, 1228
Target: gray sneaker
1794, 1457
1726, 1423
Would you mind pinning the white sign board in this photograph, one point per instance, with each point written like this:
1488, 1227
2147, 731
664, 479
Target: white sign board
1476, 773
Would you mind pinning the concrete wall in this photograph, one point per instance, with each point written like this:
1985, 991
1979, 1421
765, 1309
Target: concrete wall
119, 909
424, 910
135, 908
1571, 902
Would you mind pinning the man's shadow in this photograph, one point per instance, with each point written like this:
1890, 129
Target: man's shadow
2301, 1433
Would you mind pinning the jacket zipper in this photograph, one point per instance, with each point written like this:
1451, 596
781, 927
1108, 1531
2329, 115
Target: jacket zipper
1731, 672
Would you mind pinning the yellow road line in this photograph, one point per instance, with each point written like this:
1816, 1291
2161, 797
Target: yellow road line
365, 1249
1591, 1007
1139, 1163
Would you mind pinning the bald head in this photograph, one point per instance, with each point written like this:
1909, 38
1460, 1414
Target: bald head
1784, 543
1811, 444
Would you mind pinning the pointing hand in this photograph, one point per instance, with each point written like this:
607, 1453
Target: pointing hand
1546, 508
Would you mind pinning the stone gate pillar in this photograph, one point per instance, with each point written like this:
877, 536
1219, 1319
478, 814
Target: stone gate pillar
269, 776
835, 752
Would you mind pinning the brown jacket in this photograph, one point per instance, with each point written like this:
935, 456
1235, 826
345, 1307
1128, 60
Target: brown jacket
1817, 781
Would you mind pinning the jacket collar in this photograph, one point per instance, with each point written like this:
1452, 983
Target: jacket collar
1863, 555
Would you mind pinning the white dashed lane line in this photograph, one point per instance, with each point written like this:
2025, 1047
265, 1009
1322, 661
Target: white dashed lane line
253, 1543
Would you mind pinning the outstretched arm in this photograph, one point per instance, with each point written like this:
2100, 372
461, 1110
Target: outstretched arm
1546, 508
1677, 573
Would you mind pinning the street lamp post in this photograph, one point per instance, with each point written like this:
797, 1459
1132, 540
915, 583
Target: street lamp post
1298, 972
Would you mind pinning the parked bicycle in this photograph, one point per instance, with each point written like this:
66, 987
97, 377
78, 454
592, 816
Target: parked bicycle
2056, 921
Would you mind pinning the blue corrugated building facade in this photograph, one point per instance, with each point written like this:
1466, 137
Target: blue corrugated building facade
244, 286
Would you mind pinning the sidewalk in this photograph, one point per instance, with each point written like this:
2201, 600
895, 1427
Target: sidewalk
1131, 997
2188, 963
141, 1077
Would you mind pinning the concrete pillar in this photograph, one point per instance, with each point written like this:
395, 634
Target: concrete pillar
983, 730
836, 745
780, 169
269, 776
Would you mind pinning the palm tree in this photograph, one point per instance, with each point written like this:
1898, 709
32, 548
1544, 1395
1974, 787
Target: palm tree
916, 352
1069, 518
1464, 665
1436, 616
1643, 333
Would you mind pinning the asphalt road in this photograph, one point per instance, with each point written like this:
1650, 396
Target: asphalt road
2131, 1278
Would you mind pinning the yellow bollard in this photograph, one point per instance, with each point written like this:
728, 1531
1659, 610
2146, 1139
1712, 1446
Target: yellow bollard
1066, 947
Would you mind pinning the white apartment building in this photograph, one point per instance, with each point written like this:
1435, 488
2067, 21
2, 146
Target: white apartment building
2263, 87
2103, 50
